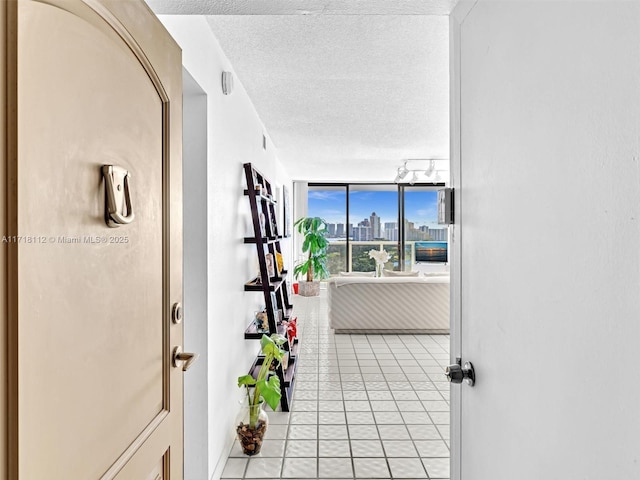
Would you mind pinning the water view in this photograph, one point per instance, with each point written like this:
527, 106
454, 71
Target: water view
431, 251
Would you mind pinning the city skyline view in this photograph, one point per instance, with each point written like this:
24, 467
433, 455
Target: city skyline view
420, 206
373, 222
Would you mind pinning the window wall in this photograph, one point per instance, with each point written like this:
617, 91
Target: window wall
400, 219
373, 224
330, 203
426, 242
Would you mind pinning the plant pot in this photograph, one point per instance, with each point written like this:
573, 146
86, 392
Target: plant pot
251, 428
309, 289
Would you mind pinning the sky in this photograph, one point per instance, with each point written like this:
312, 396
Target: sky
420, 206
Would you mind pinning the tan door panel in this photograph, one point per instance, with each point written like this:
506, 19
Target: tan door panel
97, 395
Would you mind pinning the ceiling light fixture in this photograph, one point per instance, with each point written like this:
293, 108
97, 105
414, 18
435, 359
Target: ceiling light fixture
403, 171
429, 171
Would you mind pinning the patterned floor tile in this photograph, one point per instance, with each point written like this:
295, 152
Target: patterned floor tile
302, 448
388, 418
432, 448
335, 468
436, 467
366, 448
357, 405
424, 432
332, 432
334, 448
399, 448
300, 468
235, 468
371, 468
263, 467
407, 468
303, 432
365, 432
365, 407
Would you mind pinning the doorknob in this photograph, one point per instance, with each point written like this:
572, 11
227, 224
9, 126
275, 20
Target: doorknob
186, 358
456, 373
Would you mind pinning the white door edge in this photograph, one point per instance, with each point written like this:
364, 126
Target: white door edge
456, 19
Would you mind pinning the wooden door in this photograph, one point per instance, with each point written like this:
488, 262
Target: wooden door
93, 392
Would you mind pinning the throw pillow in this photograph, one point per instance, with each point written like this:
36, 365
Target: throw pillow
393, 273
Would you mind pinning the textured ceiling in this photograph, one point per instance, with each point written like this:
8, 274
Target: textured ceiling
303, 7
344, 97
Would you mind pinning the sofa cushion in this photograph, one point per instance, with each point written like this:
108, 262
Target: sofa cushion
357, 274
341, 281
393, 273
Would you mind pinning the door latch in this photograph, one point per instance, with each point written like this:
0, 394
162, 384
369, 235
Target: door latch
184, 359
118, 209
456, 373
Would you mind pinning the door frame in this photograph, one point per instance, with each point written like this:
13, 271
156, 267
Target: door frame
4, 135
8, 99
456, 20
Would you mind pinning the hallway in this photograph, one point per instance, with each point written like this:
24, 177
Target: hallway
365, 406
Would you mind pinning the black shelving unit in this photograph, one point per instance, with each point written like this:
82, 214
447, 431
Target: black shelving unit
267, 240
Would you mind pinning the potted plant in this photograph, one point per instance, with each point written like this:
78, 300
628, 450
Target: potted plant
314, 231
266, 388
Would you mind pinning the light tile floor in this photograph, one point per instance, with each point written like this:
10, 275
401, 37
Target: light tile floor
364, 407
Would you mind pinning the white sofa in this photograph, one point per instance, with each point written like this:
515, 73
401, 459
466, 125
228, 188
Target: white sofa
389, 304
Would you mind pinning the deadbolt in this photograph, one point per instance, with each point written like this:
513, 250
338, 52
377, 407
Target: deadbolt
187, 359
456, 373
176, 313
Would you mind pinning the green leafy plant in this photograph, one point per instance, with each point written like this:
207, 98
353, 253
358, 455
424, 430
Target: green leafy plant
266, 386
314, 230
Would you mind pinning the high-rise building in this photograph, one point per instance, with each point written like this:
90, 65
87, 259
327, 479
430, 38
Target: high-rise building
391, 231
374, 221
433, 234
361, 234
412, 234
332, 229
438, 234
391, 234
340, 230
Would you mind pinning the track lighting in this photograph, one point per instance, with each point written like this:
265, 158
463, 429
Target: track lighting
403, 171
429, 172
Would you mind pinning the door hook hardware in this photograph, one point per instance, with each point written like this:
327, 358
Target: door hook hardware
117, 196
456, 373
187, 359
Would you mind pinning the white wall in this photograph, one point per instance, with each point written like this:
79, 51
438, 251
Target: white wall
234, 137
549, 187
196, 284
